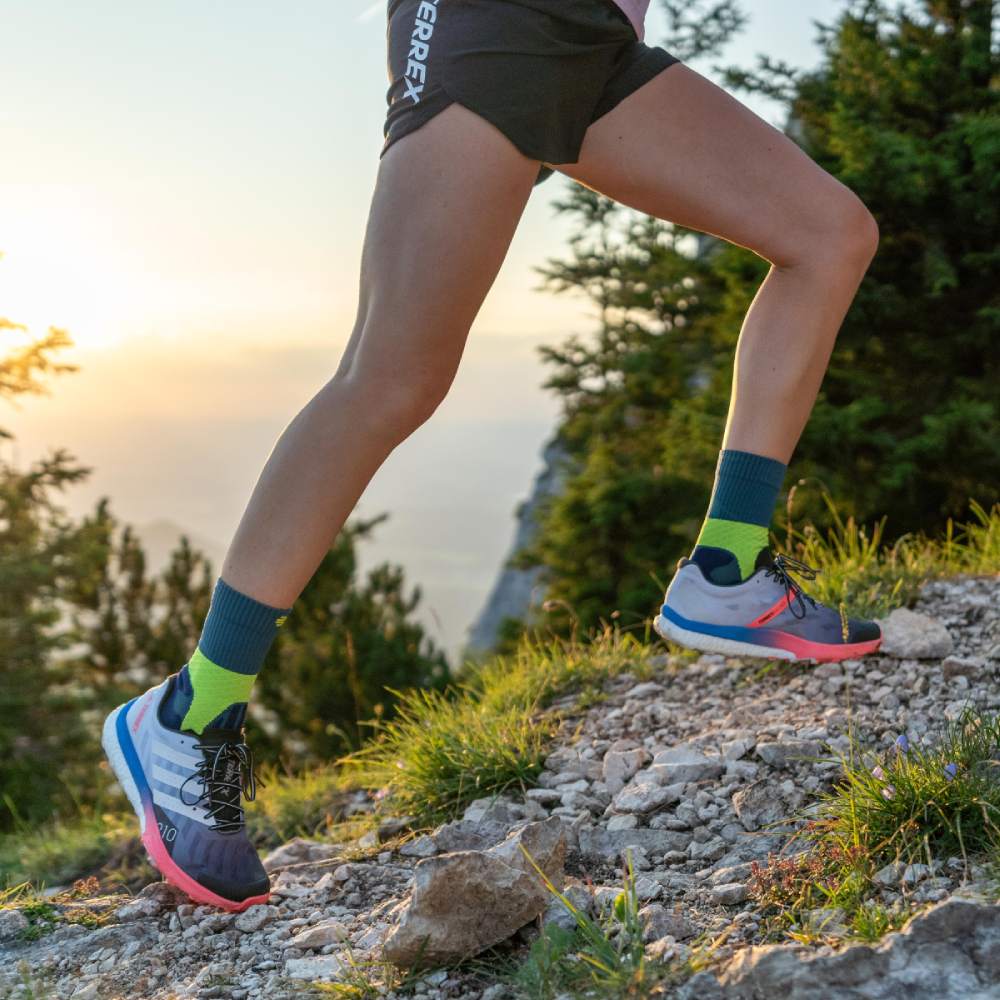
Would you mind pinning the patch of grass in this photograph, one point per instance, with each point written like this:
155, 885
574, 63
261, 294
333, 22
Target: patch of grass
550, 967
910, 805
603, 957
368, 980
920, 803
306, 804
63, 849
864, 576
443, 750
872, 920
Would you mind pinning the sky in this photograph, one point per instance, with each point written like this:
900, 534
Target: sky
184, 187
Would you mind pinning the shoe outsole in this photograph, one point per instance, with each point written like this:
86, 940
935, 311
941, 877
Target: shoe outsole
818, 652
117, 750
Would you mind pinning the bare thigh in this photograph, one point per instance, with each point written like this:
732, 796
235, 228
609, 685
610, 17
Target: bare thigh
447, 201
680, 148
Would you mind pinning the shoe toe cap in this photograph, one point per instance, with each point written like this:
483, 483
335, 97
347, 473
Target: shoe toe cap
860, 630
229, 867
236, 889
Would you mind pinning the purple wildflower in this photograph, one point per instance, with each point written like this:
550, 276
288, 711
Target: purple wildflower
877, 772
902, 743
950, 770
888, 792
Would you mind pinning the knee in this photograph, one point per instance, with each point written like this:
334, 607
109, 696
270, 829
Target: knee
838, 232
848, 232
395, 400
854, 230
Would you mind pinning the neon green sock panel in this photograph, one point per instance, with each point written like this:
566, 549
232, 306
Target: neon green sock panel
743, 540
215, 690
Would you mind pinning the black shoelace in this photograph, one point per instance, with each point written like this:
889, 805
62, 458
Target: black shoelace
227, 777
781, 570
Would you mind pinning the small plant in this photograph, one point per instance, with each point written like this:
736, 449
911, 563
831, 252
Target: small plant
825, 876
909, 805
872, 920
917, 804
367, 980
551, 967
806, 896
603, 957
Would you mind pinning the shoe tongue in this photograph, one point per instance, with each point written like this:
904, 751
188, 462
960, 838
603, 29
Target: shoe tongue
216, 736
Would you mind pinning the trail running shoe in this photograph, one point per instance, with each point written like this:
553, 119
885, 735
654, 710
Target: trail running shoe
187, 791
767, 615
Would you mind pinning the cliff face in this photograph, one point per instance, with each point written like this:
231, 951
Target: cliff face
516, 591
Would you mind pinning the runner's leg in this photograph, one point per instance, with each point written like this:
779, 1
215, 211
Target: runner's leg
681, 149
447, 201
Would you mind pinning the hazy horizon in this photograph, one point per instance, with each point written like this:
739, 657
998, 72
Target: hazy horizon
185, 191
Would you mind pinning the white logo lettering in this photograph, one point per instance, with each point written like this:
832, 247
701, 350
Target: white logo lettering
415, 76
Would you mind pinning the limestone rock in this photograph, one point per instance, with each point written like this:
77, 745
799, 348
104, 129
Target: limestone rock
950, 952
645, 797
730, 893
909, 635
298, 851
420, 847
662, 922
788, 753
12, 924
758, 805
320, 968
465, 902
255, 917
620, 766
685, 763
319, 935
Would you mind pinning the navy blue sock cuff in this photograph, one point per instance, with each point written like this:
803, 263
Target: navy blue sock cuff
239, 630
746, 487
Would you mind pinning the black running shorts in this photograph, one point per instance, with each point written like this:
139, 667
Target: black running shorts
541, 71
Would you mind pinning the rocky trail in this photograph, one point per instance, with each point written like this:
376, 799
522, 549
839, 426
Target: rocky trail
692, 774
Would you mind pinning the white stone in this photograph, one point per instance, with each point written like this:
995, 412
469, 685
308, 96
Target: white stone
12, 923
319, 936
645, 690
645, 796
620, 766
683, 764
910, 635
422, 847
319, 968
647, 888
626, 822
729, 893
